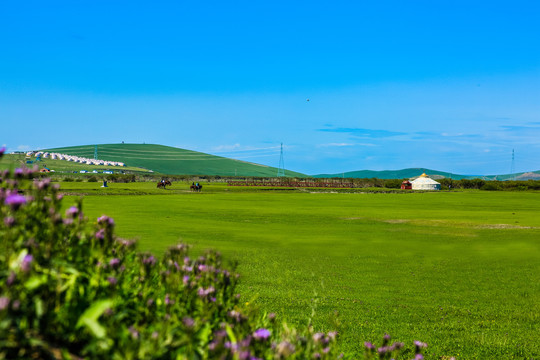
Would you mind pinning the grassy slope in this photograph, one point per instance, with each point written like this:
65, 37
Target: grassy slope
11, 161
429, 266
171, 160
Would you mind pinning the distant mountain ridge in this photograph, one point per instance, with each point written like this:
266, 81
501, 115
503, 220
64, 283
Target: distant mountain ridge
172, 161
435, 174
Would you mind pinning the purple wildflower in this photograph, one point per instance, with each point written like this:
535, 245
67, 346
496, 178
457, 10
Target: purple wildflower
4, 302
149, 260
285, 348
9, 221
114, 262
318, 337
105, 220
185, 280
419, 357
100, 234
127, 243
244, 355
112, 280
15, 201
205, 292
134, 333
155, 335
369, 345
19, 172
11, 278
168, 300
26, 264
43, 184
72, 211
419, 344
188, 322
261, 334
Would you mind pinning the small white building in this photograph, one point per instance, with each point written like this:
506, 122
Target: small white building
425, 183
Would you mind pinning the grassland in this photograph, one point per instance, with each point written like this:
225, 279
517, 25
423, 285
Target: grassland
458, 270
171, 160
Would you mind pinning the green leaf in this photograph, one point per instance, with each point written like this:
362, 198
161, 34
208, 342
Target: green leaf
35, 282
90, 316
229, 331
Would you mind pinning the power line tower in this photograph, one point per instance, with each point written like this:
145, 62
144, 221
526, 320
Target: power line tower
95, 152
513, 168
281, 168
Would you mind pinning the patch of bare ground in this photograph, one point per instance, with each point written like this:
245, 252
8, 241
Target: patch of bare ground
504, 226
436, 223
396, 221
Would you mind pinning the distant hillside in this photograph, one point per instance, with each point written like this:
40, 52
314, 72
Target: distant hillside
173, 161
435, 174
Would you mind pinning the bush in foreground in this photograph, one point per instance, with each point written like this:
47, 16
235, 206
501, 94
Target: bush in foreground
70, 289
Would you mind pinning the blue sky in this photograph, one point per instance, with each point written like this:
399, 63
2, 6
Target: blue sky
448, 85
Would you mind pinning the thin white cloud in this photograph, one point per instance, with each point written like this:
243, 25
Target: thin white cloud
344, 144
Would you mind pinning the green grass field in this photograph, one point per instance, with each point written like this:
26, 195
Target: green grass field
458, 270
170, 160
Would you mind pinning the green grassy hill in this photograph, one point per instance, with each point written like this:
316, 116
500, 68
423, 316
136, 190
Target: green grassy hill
173, 161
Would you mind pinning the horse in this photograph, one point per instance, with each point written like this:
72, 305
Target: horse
163, 184
196, 188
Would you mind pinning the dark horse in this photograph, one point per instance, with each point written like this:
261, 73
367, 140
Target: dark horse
164, 184
196, 188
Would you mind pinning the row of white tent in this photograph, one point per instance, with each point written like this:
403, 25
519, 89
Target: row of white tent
78, 159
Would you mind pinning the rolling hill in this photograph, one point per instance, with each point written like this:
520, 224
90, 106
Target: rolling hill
435, 174
172, 161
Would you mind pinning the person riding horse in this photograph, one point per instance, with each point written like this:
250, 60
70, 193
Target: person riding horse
163, 183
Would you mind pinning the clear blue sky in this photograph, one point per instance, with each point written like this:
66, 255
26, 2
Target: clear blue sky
448, 85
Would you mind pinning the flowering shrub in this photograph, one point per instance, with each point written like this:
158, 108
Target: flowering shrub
71, 289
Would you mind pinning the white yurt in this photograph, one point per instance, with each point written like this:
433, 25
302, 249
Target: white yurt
425, 183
